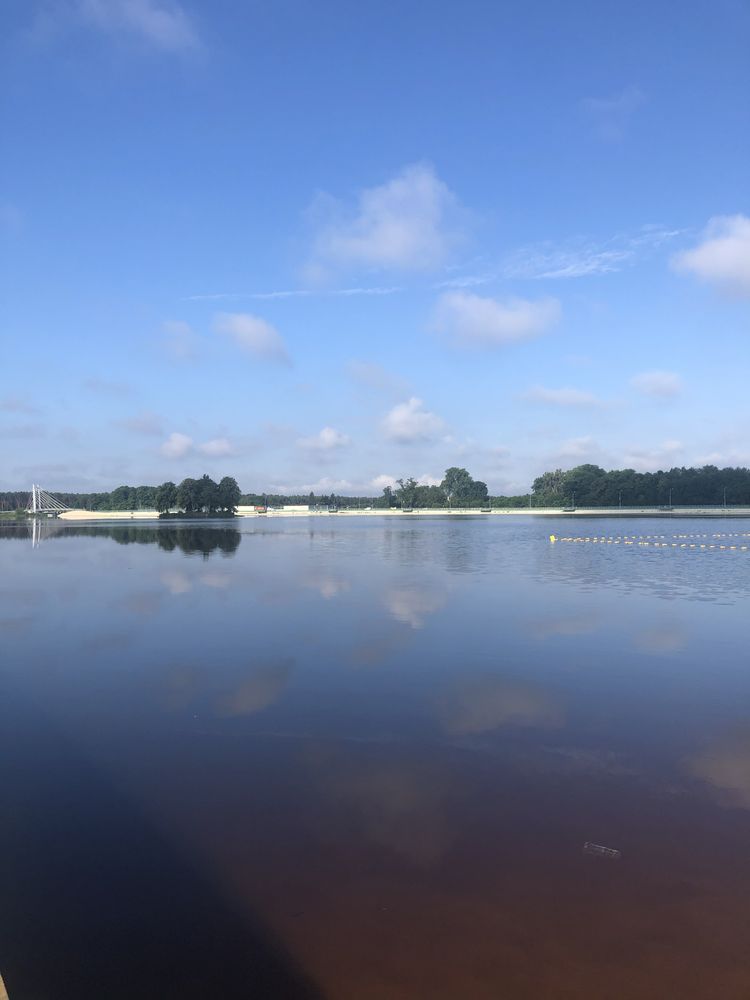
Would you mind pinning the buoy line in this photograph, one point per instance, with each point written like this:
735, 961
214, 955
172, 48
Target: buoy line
658, 541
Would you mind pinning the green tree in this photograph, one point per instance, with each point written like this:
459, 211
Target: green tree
460, 489
549, 488
429, 496
187, 496
145, 497
406, 494
166, 497
456, 484
207, 494
228, 494
123, 498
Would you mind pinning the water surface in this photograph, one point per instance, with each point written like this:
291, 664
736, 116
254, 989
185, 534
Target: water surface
360, 759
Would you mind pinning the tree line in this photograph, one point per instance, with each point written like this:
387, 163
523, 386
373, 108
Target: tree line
195, 496
582, 486
592, 486
190, 496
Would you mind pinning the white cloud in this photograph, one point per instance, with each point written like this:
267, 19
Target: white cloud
404, 224
585, 257
730, 457
657, 383
474, 321
324, 485
567, 262
410, 422
612, 114
328, 439
297, 293
579, 447
380, 482
465, 281
143, 423
216, 447
177, 445
180, 340
162, 23
562, 397
254, 335
723, 258
652, 459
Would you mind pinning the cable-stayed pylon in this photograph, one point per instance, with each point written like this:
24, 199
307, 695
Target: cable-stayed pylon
42, 502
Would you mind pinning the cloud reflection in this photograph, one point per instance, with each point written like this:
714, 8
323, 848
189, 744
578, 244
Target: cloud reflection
567, 625
142, 602
261, 689
412, 605
662, 639
329, 586
176, 581
481, 704
396, 804
726, 766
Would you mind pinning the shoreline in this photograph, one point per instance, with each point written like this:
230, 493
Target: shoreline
610, 512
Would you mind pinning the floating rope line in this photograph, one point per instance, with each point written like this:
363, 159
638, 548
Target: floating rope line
659, 541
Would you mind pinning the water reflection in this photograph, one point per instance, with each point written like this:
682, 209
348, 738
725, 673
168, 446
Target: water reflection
176, 581
413, 830
574, 624
661, 639
398, 804
188, 539
482, 704
671, 574
415, 603
725, 766
17, 625
262, 688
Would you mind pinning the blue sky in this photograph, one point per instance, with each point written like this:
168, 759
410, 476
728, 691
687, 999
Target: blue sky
322, 246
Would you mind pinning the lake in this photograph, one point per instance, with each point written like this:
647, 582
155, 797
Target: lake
359, 760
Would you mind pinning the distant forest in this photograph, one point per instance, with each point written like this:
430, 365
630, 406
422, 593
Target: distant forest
583, 486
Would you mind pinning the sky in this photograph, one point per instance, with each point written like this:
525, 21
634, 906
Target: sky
324, 246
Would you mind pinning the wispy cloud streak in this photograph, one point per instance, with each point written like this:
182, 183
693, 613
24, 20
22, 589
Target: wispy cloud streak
581, 258
295, 293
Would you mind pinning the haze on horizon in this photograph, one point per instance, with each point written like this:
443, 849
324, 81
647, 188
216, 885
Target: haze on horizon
320, 247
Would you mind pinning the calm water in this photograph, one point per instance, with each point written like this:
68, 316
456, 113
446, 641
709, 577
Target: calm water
358, 760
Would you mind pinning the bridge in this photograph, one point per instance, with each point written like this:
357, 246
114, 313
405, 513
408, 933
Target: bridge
42, 502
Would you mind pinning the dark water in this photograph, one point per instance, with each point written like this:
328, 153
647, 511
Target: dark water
359, 761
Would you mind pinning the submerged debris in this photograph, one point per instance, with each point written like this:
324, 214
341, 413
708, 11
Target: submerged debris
601, 852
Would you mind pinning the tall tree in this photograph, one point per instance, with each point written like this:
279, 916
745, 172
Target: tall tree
228, 494
187, 496
166, 497
406, 494
208, 493
458, 486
